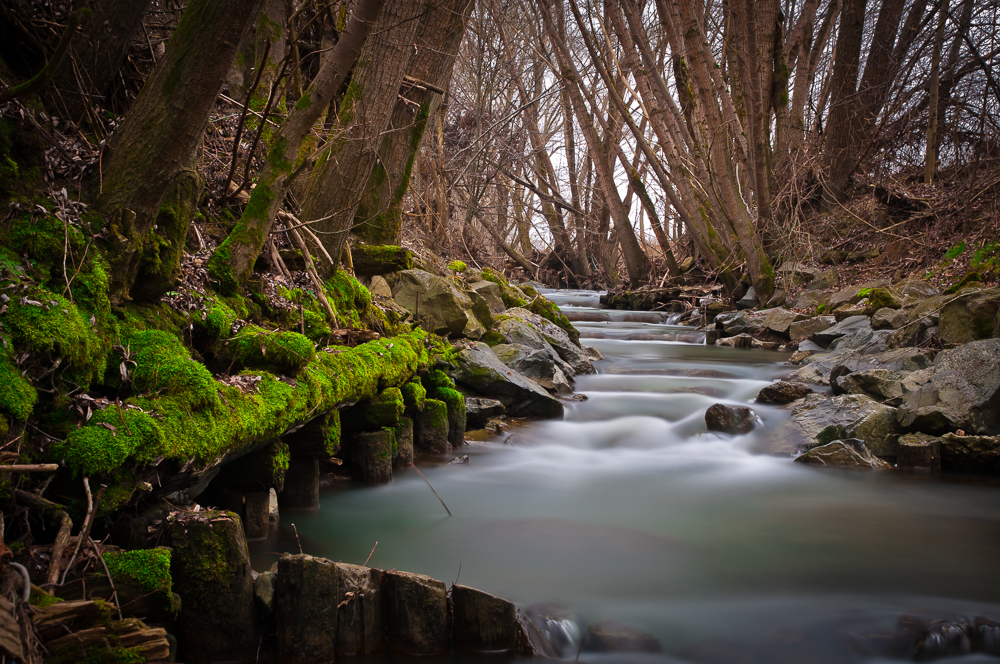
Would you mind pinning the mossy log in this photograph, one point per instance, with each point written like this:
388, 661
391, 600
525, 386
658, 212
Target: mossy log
305, 609
431, 433
85, 630
211, 572
370, 260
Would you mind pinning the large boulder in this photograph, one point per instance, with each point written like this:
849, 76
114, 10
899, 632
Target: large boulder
880, 384
537, 364
818, 420
819, 367
783, 392
960, 390
437, 304
730, 419
780, 319
491, 293
801, 329
865, 340
845, 327
970, 316
518, 325
809, 300
481, 371
739, 322
888, 318
849, 453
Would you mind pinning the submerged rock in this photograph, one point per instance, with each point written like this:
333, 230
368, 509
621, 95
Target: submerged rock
847, 453
611, 636
928, 635
730, 419
782, 393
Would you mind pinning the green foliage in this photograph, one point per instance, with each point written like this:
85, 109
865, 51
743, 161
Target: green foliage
148, 569
955, 251
457, 266
413, 396
17, 396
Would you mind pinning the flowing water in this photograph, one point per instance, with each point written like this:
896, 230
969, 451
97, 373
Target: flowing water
628, 509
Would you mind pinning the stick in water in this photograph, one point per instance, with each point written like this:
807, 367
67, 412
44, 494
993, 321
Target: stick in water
297, 540
370, 555
412, 465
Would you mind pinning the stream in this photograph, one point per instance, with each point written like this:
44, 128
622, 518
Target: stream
628, 509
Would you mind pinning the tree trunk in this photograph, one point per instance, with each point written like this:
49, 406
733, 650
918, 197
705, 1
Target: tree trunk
158, 140
838, 151
378, 218
930, 158
234, 259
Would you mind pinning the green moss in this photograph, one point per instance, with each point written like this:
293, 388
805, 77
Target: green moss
436, 414
457, 266
148, 569
493, 338
42, 600
332, 432
955, 251
549, 311
968, 280
253, 346
413, 396
384, 409
17, 396
883, 297
156, 361
511, 296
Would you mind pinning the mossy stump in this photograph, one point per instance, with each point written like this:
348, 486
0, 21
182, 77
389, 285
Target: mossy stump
301, 485
415, 613
431, 432
482, 622
359, 611
210, 567
319, 439
256, 514
305, 609
371, 458
404, 443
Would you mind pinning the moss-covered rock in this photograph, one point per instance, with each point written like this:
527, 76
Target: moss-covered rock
17, 396
148, 569
414, 394
512, 296
457, 266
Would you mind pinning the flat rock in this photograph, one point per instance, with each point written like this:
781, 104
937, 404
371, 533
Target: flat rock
810, 300
888, 318
865, 340
850, 294
916, 288
780, 320
541, 366
782, 392
818, 367
845, 327
849, 453
918, 451
820, 420
479, 370
960, 390
480, 410
980, 454
970, 316
807, 327
730, 419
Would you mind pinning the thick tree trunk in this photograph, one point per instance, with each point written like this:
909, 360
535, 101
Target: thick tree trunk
930, 157
158, 140
379, 216
838, 150
339, 179
234, 259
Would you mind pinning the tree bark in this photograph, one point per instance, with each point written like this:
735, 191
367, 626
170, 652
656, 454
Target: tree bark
838, 151
159, 139
930, 157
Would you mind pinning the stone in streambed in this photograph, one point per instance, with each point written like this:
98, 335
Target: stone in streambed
847, 453
929, 635
536, 364
782, 393
480, 410
880, 384
479, 370
970, 316
730, 419
848, 326
305, 609
818, 420
437, 304
415, 611
977, 454
801, 329
780, 320
482, 622
611, 636
887, 318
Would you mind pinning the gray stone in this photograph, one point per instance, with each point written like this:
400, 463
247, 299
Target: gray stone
507, 325
437, 304
541, 366
850, 294
481, 309
818, 367
730, 419
970, 316
918, 451
263, 590
880, 384
380, 287
977, 454
911, 333
806, 328
482, 622
777, 299
780, 320
783, 392
865, 340
480, 410
809, 300
915, 288
415, 611
849, 326
848, 453
491, 293
481, 371
798, 274
887, 318
610, 636
820, 420
749, 300
960, 390
823, 280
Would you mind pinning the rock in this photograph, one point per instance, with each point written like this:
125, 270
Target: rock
404, 443
979, 454
777, 299
538, 365
557, 631
610, 636
887, 318
818, 367
917, 289
415, 611
881, 298
969, 317
430, 430
823, 280
801, 329
810, 300
686, 264
570, 353
379, 287
850, 294
730, 419
988, 630
437, 304
491, 293
960, 390
800, 356
481, 309
926, 635
780, 320
211, 571
798, 274
782, 393
910, 334
919, 451
849, 326
746, 341
460, 460
865, 340
482, 622
480, 410
880, 384
749, 300
255, 514
739, 322
820, 420
848, 453
263, 590
304, 609
359, 611
481, 371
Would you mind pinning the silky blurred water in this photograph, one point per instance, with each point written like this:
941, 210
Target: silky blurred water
628, 509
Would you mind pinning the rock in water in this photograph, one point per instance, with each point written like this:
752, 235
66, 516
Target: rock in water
415, 610
849, 453
818, 420
479, 411
730, 419
611, 636
918, 451
482, 622
480, 371
783, 392
359, 611
978, 454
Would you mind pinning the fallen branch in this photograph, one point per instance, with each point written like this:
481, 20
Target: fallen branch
59, 547
412, 465
30, 468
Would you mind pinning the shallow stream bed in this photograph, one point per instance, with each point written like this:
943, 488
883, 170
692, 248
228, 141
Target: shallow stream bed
630, 510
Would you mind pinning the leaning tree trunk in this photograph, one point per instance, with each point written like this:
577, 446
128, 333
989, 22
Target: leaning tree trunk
154, 151
379, 216
341, 175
